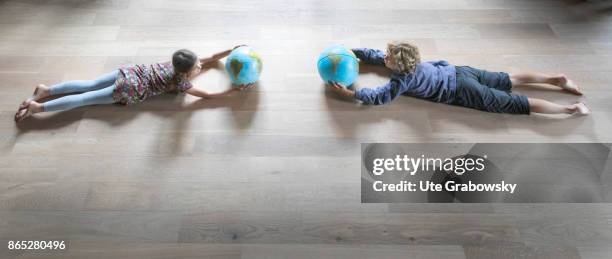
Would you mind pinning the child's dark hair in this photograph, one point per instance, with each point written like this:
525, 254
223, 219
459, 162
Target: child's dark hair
183, 60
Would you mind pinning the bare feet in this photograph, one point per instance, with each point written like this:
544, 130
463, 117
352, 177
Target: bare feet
41, 91
579, 108
30, 107
567, 84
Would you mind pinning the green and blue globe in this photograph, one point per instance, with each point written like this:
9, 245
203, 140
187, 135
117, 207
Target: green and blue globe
243, 66
339, 64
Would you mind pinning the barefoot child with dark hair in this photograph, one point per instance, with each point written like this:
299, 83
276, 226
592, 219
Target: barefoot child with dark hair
127, 85
441, 82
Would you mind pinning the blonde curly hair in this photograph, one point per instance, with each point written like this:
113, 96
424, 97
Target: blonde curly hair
403, 56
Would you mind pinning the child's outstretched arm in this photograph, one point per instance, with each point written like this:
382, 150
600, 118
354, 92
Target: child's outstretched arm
376, 96
217, 56
370, 56
195, 91
380, 95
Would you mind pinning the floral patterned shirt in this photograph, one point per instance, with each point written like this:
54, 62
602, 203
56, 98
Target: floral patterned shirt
138, 82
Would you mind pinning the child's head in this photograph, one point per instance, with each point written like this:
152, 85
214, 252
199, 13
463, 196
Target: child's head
186, 62
402, 57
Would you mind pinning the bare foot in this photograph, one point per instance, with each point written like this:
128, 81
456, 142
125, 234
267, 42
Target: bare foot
567, 84
41, 91
579, 108
30, 108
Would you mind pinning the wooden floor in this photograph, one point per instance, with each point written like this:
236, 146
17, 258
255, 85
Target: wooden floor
274, 172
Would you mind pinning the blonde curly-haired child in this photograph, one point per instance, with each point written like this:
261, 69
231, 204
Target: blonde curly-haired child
441, 82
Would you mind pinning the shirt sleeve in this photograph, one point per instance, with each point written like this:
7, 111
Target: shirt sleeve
382, 94
183, 85
370, 56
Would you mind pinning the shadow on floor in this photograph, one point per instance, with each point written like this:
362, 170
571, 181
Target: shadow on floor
545, 125
163, 106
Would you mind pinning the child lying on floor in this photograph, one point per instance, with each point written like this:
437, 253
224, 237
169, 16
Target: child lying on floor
127, 85
441, 82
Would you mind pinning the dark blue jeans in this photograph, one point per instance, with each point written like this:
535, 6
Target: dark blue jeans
488, 91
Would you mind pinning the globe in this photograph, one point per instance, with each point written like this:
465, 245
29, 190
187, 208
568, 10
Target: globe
243, 66
339, 64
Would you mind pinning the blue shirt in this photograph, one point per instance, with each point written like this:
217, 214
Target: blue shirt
433, 80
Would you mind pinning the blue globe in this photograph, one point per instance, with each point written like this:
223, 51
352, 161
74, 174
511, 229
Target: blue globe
243, 66
338, 63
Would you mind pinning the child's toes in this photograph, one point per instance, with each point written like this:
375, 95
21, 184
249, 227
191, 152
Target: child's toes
571, 87
17, 116
578, 90
582, 109
21, 114
24, 104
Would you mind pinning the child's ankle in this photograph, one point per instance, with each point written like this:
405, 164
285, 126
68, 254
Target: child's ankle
558, 80
45, 91
36, 107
